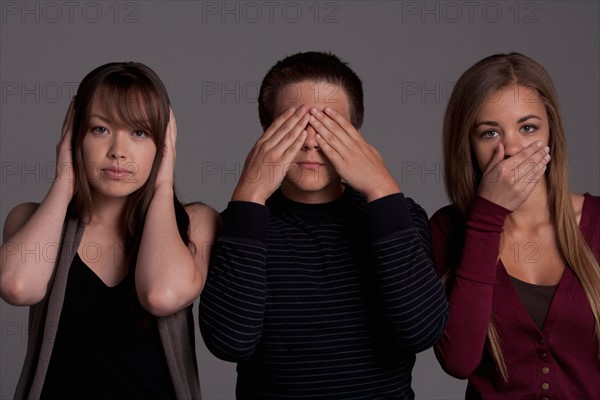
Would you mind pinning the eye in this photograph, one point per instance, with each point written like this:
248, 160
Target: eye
100, 130
529, 128
140, 134
490, 134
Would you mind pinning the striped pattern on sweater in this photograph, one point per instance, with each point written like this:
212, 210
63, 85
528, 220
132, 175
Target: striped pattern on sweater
323, 301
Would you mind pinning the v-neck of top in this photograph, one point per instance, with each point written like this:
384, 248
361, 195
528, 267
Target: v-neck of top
562, 295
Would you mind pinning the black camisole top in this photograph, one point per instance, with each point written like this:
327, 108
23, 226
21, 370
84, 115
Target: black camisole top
107, 346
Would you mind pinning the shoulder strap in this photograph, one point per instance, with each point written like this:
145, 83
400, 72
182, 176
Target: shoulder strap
45, 316
177, 337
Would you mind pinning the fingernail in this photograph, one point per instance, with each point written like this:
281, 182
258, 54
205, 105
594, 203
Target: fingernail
539, 144
547, 148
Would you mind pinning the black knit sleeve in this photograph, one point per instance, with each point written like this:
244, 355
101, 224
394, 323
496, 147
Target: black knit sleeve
232, 303
412, 296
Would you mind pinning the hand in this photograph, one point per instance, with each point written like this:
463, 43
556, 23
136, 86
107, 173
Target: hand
509, 182
268, 161
166, 171
65, 177
355, 160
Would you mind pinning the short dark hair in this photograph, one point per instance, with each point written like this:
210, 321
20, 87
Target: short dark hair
310, 66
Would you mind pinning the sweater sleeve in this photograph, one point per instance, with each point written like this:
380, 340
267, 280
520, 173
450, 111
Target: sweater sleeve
232, 303
412, 296
460, 349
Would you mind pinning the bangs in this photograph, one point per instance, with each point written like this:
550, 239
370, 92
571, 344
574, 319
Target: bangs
129, 102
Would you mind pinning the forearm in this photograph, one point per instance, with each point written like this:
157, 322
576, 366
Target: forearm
166, 277
28, 254
232, 304
461, 347
411, 294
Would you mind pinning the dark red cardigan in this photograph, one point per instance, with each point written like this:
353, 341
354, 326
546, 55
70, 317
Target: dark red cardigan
558, 362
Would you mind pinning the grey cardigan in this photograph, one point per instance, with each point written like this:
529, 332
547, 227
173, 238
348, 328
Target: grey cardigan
176, 331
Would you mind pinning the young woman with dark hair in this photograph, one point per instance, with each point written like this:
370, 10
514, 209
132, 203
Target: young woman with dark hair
110, 312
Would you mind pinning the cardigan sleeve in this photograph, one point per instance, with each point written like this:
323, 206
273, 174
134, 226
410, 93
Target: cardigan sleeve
412, 296
232, 303
472, 276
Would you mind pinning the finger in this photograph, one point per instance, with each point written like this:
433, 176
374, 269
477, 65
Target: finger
300, 117
289, 139
279, 142
276, 124
331, 138
496, 158
171, 138
67, 128
330, 152
524, 154
173, 126
540, 156
531, 181
290, 153
332, 126
533, 171
343, 122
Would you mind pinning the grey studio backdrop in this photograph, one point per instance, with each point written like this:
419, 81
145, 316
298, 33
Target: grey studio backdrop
212, 57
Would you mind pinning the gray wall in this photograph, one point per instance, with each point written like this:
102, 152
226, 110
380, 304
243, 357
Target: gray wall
212, 57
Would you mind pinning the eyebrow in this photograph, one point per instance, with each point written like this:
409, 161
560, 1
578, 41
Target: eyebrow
525, 118
519, 121
491, 123
100, 117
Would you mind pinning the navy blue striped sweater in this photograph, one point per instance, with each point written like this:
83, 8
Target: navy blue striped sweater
323, 301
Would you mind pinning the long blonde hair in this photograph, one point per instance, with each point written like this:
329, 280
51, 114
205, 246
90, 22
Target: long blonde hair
462, 173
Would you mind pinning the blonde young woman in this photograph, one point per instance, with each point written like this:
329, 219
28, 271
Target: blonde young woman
518, 252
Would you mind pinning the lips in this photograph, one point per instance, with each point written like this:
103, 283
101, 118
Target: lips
116, 173
310, 164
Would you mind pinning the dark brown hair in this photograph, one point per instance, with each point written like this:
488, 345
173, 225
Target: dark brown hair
310, 66
132, 94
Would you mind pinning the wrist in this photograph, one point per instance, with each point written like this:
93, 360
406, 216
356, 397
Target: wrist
380, 191
164, 189
64, 179
62, 192
248, 195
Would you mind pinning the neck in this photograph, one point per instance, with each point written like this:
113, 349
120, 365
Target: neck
327, 194
535, 210
108, 212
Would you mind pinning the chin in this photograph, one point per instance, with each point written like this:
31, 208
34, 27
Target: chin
325, 191
115, 192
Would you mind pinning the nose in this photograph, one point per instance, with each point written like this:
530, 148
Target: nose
117, 149
513, 143
310, 143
